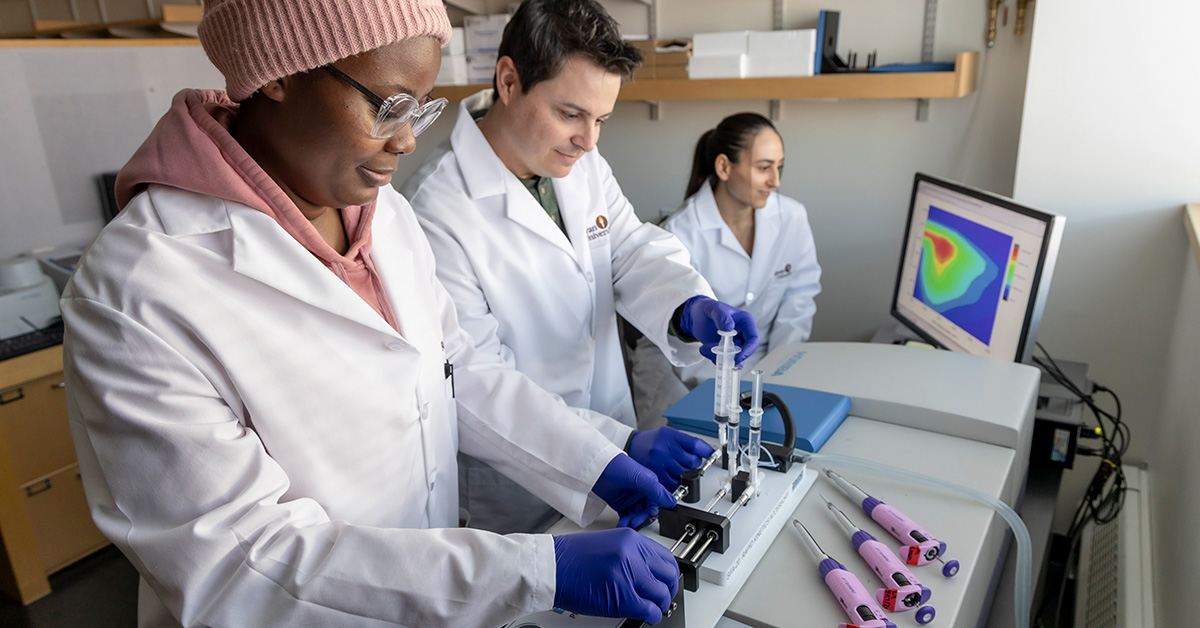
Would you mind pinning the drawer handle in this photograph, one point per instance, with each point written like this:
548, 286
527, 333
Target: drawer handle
11, 395
40, 487
60, 385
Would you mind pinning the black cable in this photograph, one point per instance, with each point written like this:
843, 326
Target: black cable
1105, 494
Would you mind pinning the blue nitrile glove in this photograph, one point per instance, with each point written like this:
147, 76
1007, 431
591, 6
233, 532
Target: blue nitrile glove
702, 317
614, 573
668, 453
632, 490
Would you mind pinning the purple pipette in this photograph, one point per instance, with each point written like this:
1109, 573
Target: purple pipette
903, 591
919, 546
850, 593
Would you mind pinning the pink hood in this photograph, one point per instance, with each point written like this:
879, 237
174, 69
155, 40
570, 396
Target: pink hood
190, 148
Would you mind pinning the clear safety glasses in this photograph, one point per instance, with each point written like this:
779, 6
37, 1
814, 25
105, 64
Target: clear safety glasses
395, 111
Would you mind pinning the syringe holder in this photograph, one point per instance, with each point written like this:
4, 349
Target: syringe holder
672, 522
689, 570
691, 479
781, 455
738, 486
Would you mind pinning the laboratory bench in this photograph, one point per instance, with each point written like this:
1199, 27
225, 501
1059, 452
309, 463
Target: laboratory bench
44, 520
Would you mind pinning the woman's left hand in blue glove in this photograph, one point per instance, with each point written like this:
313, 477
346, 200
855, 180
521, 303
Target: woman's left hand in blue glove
702, 317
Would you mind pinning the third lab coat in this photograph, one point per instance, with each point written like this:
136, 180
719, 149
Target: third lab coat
777, 285
540, 302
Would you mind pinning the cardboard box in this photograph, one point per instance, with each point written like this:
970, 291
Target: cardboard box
453, 70
482, 33
481, 68
717, 66
457, 45
671, 72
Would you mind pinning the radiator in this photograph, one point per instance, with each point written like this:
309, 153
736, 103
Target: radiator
1115, 575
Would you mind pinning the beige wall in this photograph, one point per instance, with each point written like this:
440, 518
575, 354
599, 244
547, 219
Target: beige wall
1110, 141
1175, 465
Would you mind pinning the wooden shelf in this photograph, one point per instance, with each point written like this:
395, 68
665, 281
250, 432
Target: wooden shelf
954, 84
176, 20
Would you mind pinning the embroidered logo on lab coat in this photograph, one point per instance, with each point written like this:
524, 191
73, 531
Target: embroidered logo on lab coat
599, 230
784, 272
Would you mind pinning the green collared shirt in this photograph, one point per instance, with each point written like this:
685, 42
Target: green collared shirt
542, 188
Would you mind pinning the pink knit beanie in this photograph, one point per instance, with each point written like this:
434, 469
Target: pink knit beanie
253, 42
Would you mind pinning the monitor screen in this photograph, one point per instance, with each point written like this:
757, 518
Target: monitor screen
975, 270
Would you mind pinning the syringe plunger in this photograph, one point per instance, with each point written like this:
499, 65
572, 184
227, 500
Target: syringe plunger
756, 413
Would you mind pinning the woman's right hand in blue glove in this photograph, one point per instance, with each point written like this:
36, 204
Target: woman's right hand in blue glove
614, 573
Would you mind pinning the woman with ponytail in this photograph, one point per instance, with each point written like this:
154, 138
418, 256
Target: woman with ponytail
752, 244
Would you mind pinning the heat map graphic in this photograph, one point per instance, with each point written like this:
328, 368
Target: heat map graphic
960, 271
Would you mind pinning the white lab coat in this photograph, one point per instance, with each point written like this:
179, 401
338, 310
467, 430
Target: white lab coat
777, 286
539, 302
267, 450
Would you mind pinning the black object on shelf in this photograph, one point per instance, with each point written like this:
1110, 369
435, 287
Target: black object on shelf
32, 341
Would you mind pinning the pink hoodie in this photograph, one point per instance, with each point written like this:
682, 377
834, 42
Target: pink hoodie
191, 149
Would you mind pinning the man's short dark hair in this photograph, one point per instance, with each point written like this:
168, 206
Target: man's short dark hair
543, 34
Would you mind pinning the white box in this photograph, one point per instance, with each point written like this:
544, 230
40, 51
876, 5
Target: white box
717, 66
481, 68
456, 46
453, 71
482, 33
781, 53
720, 44
790, 43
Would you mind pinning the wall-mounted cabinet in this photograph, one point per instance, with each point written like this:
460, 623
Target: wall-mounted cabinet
955, 84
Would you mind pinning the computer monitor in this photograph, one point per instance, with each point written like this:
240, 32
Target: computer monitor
975, 269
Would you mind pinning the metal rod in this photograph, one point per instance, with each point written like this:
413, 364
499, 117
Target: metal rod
709, 538
717, 498
687, 531
687, 550
746, 495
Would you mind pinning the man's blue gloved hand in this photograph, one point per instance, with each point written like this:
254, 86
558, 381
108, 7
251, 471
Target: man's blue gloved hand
614, 573
668, 453
702, 317
632, 490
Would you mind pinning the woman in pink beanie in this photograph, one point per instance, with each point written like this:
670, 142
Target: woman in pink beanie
268, 386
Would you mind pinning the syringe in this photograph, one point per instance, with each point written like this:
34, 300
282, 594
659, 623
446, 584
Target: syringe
756, 413
850, 593
725, 353
733, 442
920, 547
903, 591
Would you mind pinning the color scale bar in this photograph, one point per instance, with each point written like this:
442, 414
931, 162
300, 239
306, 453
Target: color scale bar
1012, 270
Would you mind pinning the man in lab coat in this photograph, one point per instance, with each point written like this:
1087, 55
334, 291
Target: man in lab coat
540, 249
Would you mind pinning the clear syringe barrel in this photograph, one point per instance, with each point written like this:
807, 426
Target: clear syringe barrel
733, 444
756, 413
725, 354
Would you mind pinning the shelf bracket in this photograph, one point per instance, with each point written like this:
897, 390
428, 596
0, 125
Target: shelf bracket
656, 110
776, 106
927, 52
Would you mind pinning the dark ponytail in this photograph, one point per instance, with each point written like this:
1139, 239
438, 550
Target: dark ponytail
732, 136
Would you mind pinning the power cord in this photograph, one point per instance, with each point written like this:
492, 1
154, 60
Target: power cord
1105, 495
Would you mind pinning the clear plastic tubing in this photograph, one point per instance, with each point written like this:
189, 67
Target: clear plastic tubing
733, 444
756, 413
725, 354
1022, 595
